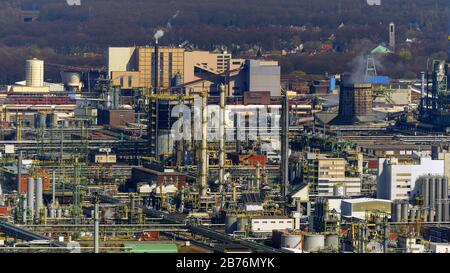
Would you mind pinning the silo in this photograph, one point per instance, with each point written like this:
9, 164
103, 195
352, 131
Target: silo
42, 120
30, 195
34, 73
332, 241
313, 242
291, 240
445, 211
425, 213
431, 215
404, 215
412, 215
425, 192
432, 195
396, 211
444, 188
438, 215
230, 224
39, 196
242, 224
51, 120
438, 188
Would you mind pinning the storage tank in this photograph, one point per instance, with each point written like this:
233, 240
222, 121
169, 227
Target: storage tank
291, 241
432, 192
313, 242
71, 79
404, 216
445, 188
425, 192
52, 120
39, 193
30, 195
230, 224
396, 211
412, 215
242, 224
34, 73
332, 241
445, 211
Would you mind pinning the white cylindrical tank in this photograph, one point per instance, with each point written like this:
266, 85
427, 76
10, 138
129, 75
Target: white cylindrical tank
242, 224
34, 71
291, 241
313, 242
39, 196
30, 195
71, 78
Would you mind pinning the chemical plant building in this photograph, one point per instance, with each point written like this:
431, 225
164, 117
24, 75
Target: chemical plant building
193, 71
397, 180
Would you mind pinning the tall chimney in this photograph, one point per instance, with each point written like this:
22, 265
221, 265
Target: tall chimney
156, 68
285, 150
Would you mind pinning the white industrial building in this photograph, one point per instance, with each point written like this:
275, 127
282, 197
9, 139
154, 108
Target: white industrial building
268, 224
396, 181
361, 207
439, 247
339, 187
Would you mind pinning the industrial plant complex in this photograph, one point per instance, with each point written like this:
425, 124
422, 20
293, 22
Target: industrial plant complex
174, 149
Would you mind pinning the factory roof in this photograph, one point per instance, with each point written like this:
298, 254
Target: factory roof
40, 100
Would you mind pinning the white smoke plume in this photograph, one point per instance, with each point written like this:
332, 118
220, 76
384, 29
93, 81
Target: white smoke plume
359, 67
158, 35
169, 24
160, 32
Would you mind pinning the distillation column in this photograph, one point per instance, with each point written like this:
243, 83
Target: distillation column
222, 136
204, 155
30, 197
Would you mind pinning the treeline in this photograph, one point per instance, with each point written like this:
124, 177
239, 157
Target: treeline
239, 25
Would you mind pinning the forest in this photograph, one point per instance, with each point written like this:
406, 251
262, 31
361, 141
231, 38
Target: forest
80, 35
